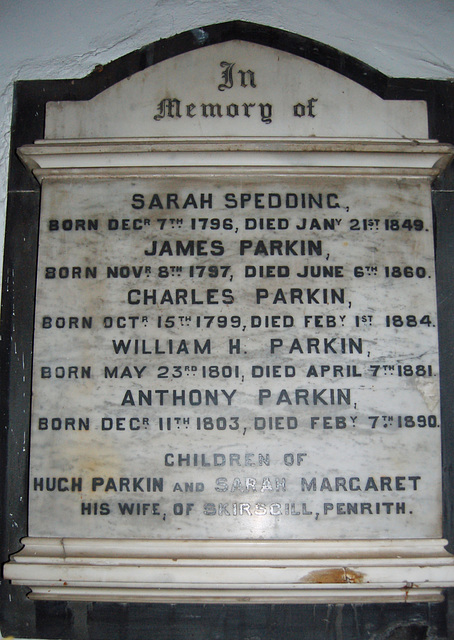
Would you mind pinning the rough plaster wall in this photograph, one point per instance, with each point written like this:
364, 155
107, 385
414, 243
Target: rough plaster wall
43, 39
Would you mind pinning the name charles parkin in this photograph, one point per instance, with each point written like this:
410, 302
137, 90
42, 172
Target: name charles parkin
214, 397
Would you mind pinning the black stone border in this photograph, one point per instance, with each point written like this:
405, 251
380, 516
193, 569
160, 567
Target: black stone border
83, 621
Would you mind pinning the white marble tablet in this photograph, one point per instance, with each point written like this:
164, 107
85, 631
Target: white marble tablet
236, 359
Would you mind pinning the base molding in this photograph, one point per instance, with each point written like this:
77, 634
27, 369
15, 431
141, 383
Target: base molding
233, 571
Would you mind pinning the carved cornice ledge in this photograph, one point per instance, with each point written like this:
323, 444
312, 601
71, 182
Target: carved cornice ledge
259, 571
334, 156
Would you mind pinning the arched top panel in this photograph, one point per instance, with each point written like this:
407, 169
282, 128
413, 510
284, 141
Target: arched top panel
236, 89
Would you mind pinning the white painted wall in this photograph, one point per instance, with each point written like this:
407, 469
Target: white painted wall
48, 39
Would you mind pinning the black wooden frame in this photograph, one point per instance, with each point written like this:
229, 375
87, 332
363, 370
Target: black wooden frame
23, 617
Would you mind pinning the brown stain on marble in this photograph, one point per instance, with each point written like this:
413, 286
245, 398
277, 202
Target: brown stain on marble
341, 575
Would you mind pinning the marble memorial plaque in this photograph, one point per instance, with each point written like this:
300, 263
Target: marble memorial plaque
235, 357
